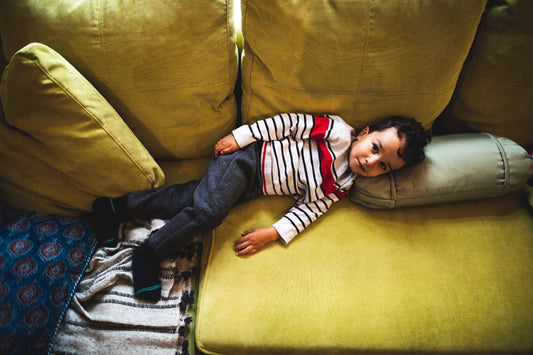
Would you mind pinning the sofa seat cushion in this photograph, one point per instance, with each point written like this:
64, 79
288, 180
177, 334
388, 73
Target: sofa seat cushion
168, 67
451, 277
61, 142
361, 60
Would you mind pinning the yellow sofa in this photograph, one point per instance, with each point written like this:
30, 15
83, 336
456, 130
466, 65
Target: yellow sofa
106, 97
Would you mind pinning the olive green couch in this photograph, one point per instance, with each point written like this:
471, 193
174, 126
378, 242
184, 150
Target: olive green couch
106, 97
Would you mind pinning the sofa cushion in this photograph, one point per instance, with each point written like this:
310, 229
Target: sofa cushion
496, 86
457, 167
168, 67
440, 279
61, 142
361, 60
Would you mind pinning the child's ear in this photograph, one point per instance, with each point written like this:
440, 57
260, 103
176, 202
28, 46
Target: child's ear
363, 132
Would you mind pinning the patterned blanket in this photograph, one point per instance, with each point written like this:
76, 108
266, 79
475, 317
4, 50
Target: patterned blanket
105, 317
42, 259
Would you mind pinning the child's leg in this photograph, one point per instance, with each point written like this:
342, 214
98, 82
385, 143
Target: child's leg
161, 203
147, 204
228, 180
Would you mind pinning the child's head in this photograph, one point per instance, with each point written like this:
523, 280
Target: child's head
388, 145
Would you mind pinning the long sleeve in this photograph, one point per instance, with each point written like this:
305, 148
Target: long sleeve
303, 156
300, 216
296, 125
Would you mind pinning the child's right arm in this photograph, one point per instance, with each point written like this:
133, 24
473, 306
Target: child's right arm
274, 128
226, 145
297, 125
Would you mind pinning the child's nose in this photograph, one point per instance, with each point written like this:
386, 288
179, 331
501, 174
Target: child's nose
372, 160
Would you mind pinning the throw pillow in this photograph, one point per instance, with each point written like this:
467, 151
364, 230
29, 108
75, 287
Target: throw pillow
61, 143
457, 167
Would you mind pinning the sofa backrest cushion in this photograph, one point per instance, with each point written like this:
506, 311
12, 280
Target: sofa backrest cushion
167, 67
61, 142
457, 167
495, 90
362, 60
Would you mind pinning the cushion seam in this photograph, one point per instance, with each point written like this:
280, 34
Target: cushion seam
505, 161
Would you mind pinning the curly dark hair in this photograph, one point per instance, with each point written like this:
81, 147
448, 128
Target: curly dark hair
409, 130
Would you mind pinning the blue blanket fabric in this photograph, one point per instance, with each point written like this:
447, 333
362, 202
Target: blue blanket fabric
42, 259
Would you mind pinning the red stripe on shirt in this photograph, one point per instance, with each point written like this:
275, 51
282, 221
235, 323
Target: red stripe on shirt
340, 194
263, 167
320, 128
328, 181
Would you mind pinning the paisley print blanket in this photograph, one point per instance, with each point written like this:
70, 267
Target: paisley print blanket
42, 259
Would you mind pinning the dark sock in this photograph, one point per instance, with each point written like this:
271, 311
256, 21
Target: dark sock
106, 207
105, 230
108, 214
145, 267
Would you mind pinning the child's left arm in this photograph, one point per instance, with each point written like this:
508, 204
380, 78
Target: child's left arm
254, 240
293, 223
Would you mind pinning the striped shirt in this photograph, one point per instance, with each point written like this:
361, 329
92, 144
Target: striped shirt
303, 156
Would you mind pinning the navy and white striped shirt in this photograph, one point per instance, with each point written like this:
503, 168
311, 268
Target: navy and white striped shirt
304, 156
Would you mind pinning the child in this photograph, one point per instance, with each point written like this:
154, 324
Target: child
314, 159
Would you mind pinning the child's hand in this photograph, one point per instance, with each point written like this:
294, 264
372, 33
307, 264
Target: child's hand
226, 145
254, 240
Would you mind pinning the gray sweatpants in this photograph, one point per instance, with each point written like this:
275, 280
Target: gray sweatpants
197, 207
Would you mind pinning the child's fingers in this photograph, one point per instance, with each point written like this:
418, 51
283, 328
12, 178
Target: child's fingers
240, 247
226, 145
219, 148
223, 150
245, 236
243, 246
238, 244
241, 242
248, 250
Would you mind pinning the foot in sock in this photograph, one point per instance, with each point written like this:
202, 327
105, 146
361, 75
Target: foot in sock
106, 207
108, 214
106, 231
145, 267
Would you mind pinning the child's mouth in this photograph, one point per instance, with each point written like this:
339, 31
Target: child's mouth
361, 165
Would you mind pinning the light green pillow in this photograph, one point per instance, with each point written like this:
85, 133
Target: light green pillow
457, 167
167, 67
362, 60
61, 143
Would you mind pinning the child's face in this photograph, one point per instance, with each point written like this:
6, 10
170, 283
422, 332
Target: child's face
375, 153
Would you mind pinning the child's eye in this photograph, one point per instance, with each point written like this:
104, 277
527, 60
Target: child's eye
375, 148
383, 166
